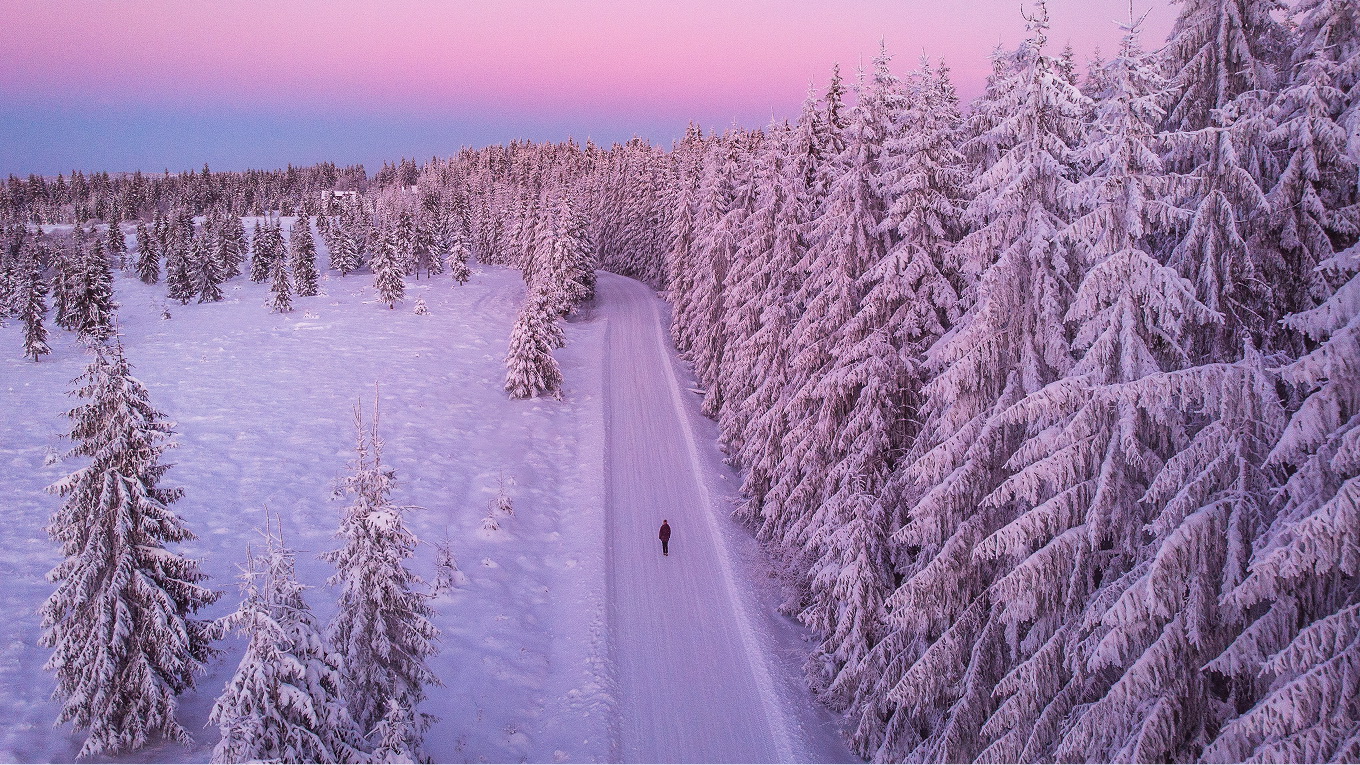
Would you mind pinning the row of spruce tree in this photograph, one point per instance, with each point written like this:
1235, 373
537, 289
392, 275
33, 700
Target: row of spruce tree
1054, 403
196, 259
121, 623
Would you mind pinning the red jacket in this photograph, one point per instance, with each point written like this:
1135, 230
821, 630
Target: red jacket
665, 535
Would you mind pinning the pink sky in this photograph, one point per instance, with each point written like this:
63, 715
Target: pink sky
604, 55
608, 65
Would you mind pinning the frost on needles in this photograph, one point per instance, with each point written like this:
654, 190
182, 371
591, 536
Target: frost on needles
120, 621
382, 627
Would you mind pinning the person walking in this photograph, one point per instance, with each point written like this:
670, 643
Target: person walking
665, 537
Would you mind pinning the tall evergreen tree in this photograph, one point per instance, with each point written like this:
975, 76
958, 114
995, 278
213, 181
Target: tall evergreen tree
911, 299
457, 261
842, 422
93, 307
66, 265
148, 256
344, 251
530, 368
1302, 587
753, 287
261, 261
302, 257
116, 241
1313, 204
119, 623
1097, 441
280, 288
403, 241
206, 268
386, 265
1223, 56
33, 310
382, 627
778, 248
179, 268
231, 245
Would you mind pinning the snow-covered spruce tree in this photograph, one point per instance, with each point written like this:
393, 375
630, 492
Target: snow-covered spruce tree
207, 268
1313, 202
302, 257
387, 271
752, 288
231, 245
116, 241
382, 627
718, 224
344, 250
179, 275
843, 423
426, 248
523, 238
1217, 51
119, 623
261, 260
565, 257
776, 240
148, 256
1154, 627
33, 310
1302, 648
457, 261
65, 265
911, 299
93, 307
285, 702
530, 369
1223, 55
160, 234
535, 265
280, 287
1011, 342
402, 239
680, 257
842, 241
447, 576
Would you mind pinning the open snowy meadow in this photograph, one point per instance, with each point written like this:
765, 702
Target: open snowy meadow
264, 409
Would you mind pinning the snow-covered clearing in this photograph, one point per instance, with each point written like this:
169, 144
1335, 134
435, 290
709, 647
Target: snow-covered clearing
688, 661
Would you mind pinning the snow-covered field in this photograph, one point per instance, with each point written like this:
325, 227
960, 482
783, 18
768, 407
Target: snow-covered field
264, 405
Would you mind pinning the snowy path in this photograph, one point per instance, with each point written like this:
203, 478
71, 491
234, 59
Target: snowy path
696, 680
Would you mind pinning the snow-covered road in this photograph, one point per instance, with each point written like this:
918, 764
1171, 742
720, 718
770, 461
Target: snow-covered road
697, 678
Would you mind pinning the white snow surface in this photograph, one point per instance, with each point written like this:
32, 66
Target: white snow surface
573, 640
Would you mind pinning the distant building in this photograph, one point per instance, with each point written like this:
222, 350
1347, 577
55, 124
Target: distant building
343, 196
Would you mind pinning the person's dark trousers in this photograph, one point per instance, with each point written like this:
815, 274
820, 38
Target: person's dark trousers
665, 547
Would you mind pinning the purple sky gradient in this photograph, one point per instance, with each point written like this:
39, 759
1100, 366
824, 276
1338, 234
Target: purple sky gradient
156, 85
